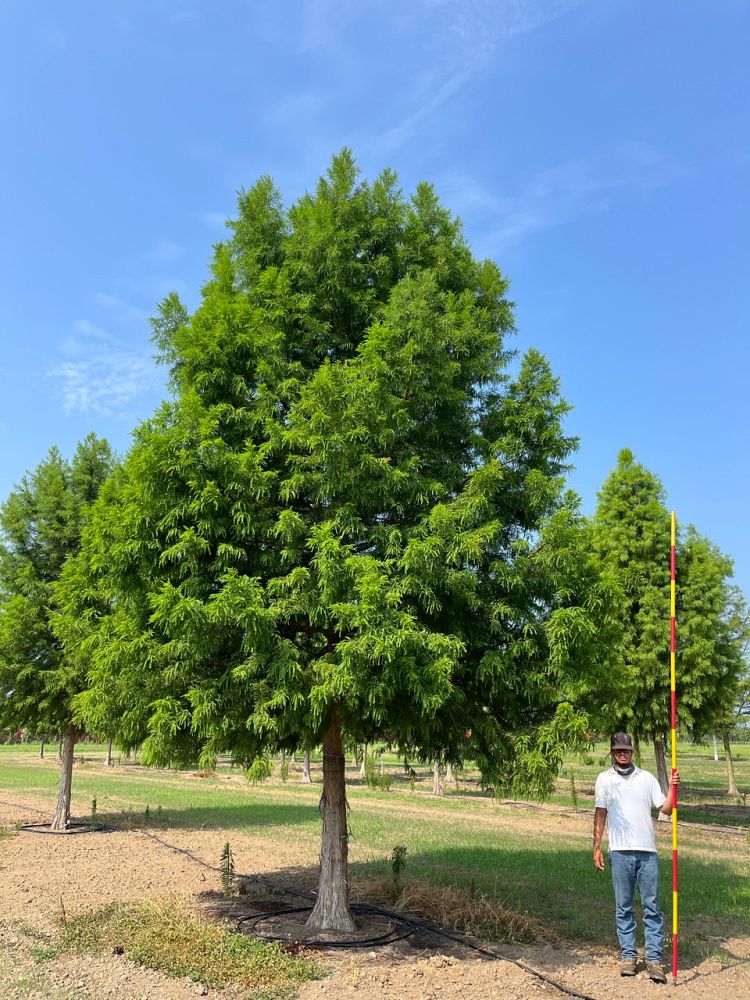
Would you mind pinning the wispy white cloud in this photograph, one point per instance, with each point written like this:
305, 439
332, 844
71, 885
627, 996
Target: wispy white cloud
461, 37
584, 186
107, 384
101, 373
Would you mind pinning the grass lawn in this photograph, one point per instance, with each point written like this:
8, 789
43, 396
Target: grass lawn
535, 860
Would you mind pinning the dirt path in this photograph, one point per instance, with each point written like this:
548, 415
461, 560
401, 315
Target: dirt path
40, 875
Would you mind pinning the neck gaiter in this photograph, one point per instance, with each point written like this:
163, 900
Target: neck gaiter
625, 771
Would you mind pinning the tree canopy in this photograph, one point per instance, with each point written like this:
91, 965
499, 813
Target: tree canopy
41, 524
632, 538
351, 519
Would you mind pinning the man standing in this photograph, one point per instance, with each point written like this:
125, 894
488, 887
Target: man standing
625, 796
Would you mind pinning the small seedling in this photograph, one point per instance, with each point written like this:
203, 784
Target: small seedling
226, 870
398, 863
284, 771
573, 792
93, 810
147, 814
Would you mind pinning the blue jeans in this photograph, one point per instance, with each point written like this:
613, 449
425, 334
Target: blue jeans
642, 868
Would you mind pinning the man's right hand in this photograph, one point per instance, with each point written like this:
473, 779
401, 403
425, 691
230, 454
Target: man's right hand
598, 859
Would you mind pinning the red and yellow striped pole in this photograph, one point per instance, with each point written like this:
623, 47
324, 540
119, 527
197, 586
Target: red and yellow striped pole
673, 676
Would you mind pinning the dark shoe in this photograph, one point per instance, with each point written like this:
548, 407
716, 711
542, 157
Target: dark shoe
627, 967
656, 972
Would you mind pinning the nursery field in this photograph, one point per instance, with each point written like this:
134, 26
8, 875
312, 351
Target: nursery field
506, 868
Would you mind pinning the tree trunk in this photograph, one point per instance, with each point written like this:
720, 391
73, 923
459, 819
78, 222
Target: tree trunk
331, 910
637, 748
448, 773
731, 780
61, 819
109, 753
41, 751
661, 764
364, 759
437, 788
59, 748
306, 779
716, 749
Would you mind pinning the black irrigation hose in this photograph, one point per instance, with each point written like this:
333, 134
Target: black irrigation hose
504, 958
362, 908
390, 936
413, 925
71, 828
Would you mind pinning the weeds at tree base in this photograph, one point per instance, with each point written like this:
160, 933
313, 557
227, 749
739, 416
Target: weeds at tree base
451, 908
165, 935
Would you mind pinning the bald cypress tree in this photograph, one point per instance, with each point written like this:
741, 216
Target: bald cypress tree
632, 538
41, 524
351, 521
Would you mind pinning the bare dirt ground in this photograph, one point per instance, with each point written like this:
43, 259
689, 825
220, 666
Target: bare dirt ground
41, 876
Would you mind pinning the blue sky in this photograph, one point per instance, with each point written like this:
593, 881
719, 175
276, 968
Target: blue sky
598, 150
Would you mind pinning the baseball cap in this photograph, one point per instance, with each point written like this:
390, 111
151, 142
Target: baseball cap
621, 741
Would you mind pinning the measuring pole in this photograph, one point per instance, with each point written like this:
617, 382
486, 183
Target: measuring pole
673, 674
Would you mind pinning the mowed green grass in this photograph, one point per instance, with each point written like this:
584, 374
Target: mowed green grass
461, 839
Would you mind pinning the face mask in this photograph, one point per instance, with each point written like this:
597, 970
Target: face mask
624, 771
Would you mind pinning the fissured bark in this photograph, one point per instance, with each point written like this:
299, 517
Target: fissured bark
61, 819
331, 910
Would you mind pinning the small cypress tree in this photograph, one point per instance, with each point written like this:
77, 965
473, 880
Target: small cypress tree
41, 524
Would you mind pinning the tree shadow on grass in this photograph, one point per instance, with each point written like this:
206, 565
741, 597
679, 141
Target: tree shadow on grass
244, 817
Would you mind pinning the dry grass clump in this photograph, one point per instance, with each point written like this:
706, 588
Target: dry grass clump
166, 935
451, 908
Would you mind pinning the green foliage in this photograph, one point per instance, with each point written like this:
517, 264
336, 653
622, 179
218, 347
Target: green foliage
398, 862
632, 537
226, 870
40, 528
93, 810
260, 769
284, 771
375, 774
352, 503
372, 773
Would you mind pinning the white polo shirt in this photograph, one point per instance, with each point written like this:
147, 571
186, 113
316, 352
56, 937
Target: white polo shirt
628, 801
